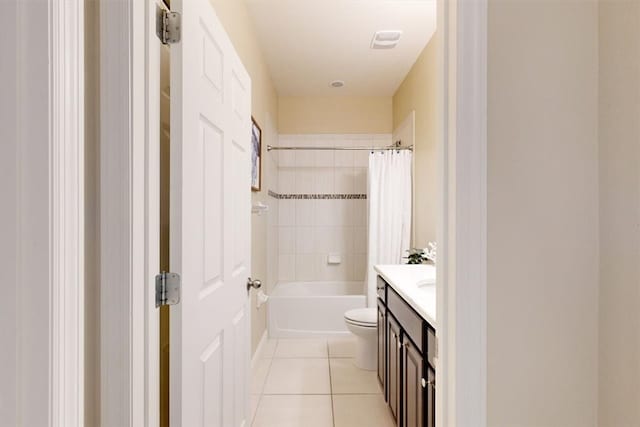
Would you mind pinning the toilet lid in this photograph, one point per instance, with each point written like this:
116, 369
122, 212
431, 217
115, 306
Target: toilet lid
363, 316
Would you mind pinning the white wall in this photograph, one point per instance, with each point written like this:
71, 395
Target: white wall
312, 228
542, 213
619, 132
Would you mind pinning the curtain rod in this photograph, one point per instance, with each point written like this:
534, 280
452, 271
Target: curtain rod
410, 148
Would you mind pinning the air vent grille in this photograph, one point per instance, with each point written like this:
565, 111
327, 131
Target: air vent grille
387, 39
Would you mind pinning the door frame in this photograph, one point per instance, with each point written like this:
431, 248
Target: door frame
67, 204
462, 229
127, 350
42, 151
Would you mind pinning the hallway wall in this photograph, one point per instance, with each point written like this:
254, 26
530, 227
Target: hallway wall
619, 167
542, 295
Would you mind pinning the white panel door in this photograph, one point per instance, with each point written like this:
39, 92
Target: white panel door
210, 223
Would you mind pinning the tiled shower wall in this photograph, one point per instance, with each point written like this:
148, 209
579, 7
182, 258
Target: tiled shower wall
323, 207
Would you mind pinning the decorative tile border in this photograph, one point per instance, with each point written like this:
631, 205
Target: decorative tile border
317, 196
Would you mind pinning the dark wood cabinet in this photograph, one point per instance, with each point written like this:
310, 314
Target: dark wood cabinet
430, 376
412, 386
430, 419
394, 349
406, 365
382, 326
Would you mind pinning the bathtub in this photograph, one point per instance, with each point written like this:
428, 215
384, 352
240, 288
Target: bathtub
307, 309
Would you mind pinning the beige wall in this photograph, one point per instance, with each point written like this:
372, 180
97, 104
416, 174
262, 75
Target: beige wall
542, 213
619, 128
235, 18
335, 115
418, 92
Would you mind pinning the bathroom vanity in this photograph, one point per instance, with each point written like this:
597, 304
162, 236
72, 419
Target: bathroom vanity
406, 301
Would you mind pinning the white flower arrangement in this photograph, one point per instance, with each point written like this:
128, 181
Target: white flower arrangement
430, 252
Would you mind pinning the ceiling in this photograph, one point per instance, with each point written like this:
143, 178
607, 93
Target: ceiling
309, 43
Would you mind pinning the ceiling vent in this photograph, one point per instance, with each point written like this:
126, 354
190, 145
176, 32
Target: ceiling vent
336, 83
385, 39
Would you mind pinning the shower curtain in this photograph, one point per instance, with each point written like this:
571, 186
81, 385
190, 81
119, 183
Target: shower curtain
389, 196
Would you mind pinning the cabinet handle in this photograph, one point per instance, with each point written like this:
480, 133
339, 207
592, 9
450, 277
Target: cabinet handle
426, 383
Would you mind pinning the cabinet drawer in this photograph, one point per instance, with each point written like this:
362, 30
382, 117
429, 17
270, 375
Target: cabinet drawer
431, 346
410, 321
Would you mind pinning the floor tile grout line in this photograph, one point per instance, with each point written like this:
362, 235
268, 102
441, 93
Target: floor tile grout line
255, 414
264, 384
307, 357
318, 394
333, 414
296, 394
332, 394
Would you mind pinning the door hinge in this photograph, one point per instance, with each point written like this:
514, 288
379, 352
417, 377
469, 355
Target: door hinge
168, 26
167, 289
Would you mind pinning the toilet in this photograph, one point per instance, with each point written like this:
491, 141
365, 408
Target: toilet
363, 323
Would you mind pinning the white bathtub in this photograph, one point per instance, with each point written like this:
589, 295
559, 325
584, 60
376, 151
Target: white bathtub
307, 309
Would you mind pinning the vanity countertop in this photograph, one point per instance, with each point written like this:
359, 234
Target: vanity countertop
404, 280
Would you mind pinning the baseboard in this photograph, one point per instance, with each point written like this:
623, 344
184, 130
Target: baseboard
257, 355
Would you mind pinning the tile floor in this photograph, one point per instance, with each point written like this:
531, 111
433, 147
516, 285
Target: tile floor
314, 383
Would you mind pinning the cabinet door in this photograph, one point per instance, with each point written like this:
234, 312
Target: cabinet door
412, 386
394, 348
382, 345
431, 397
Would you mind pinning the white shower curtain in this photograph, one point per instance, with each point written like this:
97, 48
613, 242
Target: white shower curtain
389, 197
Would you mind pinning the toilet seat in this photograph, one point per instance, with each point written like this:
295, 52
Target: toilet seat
363, 317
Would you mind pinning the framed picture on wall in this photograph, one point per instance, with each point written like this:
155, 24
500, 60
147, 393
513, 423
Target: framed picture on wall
256, 156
